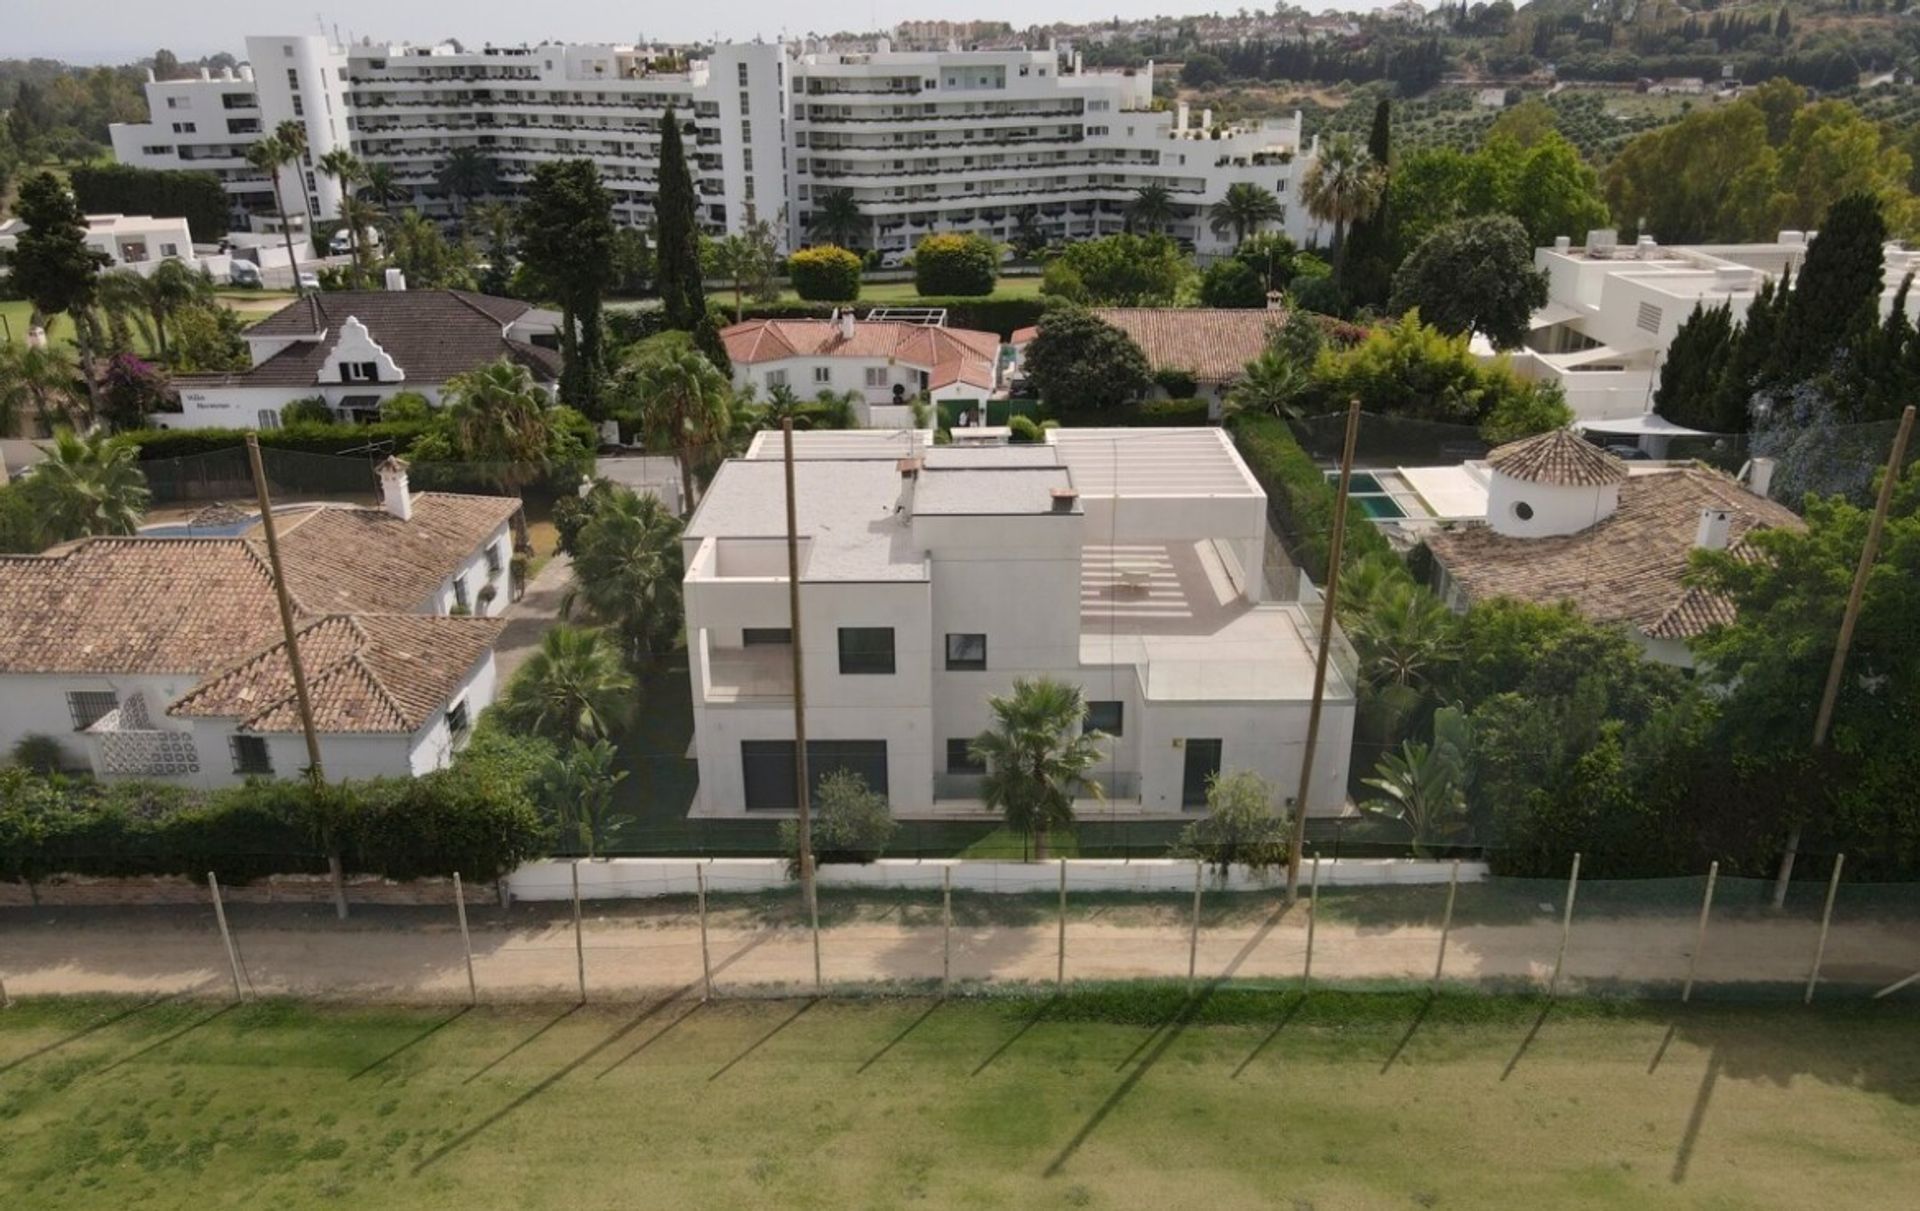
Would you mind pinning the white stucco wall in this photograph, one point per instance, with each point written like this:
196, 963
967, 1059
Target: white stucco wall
433, 746
1555, 508
476, 575
36, 704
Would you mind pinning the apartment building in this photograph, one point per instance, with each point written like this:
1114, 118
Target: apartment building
1126, 561
986, 141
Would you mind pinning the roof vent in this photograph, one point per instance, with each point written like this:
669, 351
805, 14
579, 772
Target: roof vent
1715, 525
1601, 242
1064, 499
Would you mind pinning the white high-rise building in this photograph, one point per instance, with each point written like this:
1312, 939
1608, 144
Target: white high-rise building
990, 141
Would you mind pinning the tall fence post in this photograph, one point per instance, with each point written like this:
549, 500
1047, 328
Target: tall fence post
1060, 971
1826, 919
1566, 928
1193, 935
1446, 924
813, 918
1700, 937
706, 958
579, 943
1313, 917
466, 939
6, 1001
226, 937
946, 930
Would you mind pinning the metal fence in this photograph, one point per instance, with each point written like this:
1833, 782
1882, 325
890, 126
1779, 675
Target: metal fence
714, 928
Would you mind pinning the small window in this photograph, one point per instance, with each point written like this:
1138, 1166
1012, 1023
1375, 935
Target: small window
250, 755
88, 707
966, 652
457, 720
1523, 510
776, 378
865, 650
960, 758
496, 559
267, 418
741, 70
360, 372
823, 374
1108, 717
876, 376
754, 637
461, 601
293, 77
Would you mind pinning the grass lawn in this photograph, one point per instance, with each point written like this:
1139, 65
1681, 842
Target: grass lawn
901, 293
251, 305
1116, 1101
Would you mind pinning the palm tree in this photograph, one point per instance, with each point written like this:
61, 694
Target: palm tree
1404, 637
497, 415
86, 486
361, 216
293, 134
381, 189
1037, 757
269, 155
120, 298
1244, 210
626, 572
40, 378
345, 168
1425, 786
1152, 208
1273, 384
1027, 238
170, 287
683, 403
837, 219
577, 787
1343, 186
468, 173
573, 688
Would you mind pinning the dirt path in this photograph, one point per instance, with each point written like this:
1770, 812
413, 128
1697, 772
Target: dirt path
529, 618
415, 954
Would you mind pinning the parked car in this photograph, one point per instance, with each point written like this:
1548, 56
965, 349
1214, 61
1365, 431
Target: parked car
895, 259
309, 281
244, 274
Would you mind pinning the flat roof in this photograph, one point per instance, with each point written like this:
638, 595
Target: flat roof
845, 508
1154, 462
889, 444
990, 492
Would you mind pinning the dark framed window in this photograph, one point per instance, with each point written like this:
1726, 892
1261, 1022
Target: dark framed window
866, 650
960, 758
457, 718
250, 755
966, 651
495, 560
1202, 766
461, 601
1108, 717
754, 637
767, 768
88, 707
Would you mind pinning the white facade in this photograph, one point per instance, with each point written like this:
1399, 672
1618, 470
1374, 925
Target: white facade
1612, 311
129, 241
927, 141
1127, 562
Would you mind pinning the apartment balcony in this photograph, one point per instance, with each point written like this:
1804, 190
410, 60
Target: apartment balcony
762, 673
817, 120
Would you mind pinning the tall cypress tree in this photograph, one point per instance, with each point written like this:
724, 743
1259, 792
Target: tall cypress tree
1751, 351
677, 263
566, 239
1689, 393
1368, 267
1839, 291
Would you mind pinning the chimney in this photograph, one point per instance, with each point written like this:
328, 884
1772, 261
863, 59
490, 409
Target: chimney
1713, 531
1063, 499
1180, 113
1759, 476
1561, 243
843, 320
396, 280
909, 469
394, 493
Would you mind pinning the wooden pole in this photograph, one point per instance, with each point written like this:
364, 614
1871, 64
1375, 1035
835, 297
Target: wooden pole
6, 1002
1826, 920
1700, 937
579, 944
813, 918
1313, 916
1897, 985
1566, 928
802, 784
226, 937
466, 939
706, 958
1060, 972
316, 776
1830, 696
946, 930
1193, 935
1446, 924
1320, 660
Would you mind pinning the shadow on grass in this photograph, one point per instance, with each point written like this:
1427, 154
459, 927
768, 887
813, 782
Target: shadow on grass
1690, 1139
416, 1040
650, 1040
158, 1043
1426, 1007
1269, 1037
1532, 1034
510, 1052
897, 1039
84, 1031
764, 1039
1032, 1021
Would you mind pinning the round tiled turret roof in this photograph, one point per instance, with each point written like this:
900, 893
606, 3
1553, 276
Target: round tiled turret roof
1560, 457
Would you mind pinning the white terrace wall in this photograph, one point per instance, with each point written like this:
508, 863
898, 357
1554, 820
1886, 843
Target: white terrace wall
641, 878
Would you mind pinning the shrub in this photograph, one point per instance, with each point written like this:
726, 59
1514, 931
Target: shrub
1177, 383
153, 444
406, 407
312, 411
1240, 827
1300, 497
1167, 413
1080, 362
955, 264
39, 754
825, 273
850, 823
1233, 284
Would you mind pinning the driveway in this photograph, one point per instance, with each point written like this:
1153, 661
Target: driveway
529, 618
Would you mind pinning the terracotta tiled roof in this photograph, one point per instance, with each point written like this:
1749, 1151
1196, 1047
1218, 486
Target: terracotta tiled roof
1631, 567
135, 605
431, 335
380, 673
1559, 456
948, 355
367, 561
1213, 344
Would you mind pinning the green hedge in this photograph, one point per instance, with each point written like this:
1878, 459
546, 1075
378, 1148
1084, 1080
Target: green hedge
197, 197
989, 314
150, 444
825, 272
1300, 498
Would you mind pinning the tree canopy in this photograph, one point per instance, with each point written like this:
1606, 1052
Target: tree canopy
566, 241
1079, 362
1474, 276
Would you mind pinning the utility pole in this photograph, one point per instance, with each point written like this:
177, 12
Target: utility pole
1326, 644
802, 786
316, 777
1830, 697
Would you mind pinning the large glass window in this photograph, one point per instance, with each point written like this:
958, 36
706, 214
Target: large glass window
966, 652
866, 650
766, 768
960, 758
1108, 717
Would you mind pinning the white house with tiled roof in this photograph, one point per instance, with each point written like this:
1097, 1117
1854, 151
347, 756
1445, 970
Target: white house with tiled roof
889, 362
1567, 521
355, 349
1128, 562
164, 657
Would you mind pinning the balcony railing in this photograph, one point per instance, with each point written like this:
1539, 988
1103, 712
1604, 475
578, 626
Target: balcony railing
763, 672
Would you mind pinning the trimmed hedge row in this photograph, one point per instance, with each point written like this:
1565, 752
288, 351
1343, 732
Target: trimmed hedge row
1299, 497
151, 444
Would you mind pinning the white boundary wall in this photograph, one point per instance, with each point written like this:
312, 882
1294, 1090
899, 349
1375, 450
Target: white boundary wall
640, 878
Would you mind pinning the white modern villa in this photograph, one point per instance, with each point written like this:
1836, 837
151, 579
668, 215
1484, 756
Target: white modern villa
1612, 311
163, 657
129, 241
926, 141
1126, 561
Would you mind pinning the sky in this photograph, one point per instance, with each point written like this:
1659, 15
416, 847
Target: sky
117, 31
